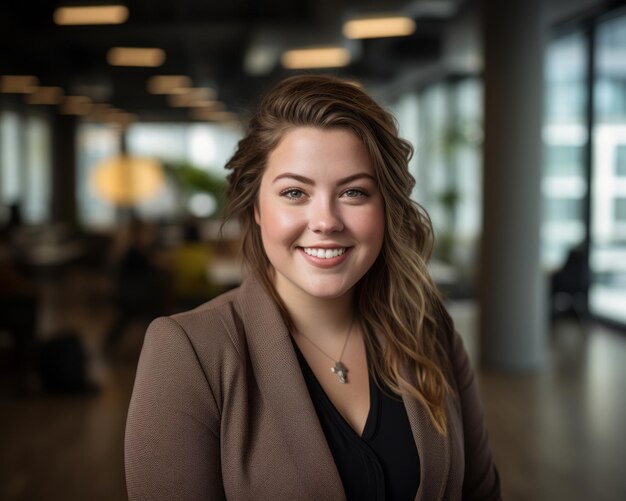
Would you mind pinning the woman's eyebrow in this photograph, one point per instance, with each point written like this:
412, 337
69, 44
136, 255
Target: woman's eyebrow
306, 180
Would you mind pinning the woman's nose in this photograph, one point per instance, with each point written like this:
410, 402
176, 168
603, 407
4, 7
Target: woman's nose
324, 217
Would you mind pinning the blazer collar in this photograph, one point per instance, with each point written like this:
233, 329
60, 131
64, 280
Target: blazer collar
433, 449
281, 382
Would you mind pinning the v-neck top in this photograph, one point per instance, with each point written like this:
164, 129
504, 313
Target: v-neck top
381, 464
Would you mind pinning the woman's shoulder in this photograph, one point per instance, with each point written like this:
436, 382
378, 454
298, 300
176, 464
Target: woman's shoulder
213, 327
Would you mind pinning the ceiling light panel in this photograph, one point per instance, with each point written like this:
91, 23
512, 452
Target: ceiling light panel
18, 84
136, 56
192, 96
379, 27
76, 105
318, 57
45, 95
89, 15
214, 115
168, 84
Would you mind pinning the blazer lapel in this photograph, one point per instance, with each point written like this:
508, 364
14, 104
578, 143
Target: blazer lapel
434, 452
280, 380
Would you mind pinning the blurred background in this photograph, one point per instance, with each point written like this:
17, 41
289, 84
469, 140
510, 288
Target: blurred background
116, 120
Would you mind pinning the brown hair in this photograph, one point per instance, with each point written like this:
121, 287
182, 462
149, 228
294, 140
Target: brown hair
405, 323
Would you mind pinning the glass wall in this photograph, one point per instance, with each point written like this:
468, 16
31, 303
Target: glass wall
94, 143
406, 111
10, 157
465, 143
608, 209
565, 136
574, 154
447, 135
203, 146
25, 164
444, 123
38, 167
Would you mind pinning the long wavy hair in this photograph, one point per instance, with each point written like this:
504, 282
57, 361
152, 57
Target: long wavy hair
406, 326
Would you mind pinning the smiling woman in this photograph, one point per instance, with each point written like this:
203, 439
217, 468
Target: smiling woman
320, 213
334, 370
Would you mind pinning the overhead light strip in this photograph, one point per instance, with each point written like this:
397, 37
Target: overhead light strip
192, 97
18, 84
136, 56
379, 27
76, 105
322, 57
45, 95
168, 84
89, 15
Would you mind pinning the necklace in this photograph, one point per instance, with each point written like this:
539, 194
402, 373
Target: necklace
339, 368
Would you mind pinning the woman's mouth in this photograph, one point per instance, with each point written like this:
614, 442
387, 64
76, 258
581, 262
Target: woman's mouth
325, 258
324, 253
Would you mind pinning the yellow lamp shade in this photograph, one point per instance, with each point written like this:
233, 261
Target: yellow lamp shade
127, 180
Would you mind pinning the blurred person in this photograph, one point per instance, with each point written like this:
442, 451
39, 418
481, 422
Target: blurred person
18, 316
190, 262
334, 371
140, 280
569, 285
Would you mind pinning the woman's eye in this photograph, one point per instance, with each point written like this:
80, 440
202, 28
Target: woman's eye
354, 193
292, 193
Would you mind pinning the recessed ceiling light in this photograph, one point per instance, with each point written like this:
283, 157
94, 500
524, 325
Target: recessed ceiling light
122, 118
168, 84
379, 27
45, 95
98, 110
260, 59
18, 84
207, 104
136, 56
214, 116
190, 97
76, 105
315, 57
91, 14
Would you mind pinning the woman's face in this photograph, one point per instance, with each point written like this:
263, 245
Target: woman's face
320, 212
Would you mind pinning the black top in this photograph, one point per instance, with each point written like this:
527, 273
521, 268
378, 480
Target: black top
381, 464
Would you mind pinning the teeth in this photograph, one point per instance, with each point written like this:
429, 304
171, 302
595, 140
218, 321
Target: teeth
324, 253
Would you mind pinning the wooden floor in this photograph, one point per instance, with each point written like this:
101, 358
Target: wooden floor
557, 435
561, 434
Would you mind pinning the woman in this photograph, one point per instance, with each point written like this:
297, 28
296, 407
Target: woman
334, 371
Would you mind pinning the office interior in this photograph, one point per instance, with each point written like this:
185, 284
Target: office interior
114, 133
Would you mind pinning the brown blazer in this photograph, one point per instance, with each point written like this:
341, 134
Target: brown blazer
220, 409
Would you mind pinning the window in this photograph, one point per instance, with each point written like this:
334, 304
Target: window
607, 295
10, 157
620, 209
565, 160
620, 160
444, 124
206, 146
564, 185
585, 170
94, 143
37, 162
25, 164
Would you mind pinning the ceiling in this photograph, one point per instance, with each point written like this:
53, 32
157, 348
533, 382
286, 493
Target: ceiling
209, 41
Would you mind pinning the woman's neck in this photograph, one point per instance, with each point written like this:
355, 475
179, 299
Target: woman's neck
320, 317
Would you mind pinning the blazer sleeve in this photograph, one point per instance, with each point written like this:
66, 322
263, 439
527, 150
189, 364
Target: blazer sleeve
481, 480
172, 444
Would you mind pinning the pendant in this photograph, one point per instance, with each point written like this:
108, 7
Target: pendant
341, 371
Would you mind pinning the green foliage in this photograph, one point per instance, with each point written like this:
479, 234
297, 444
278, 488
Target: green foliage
189, 180
449, 199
